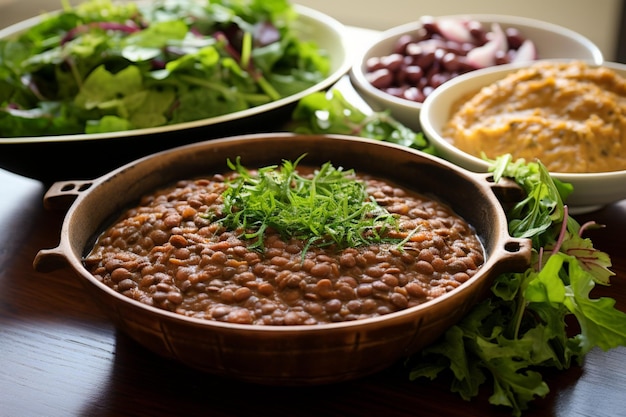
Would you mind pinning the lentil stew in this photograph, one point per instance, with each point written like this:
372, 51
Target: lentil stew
167, 252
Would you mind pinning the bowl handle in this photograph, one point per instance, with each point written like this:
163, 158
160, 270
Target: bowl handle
517, 252
506, 190
62, 194
48, 260
516, 255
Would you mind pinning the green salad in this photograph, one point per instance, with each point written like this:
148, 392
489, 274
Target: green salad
105, 66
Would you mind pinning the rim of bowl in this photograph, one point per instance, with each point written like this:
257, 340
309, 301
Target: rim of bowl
358, 74
437, 139
335, 28
74, 261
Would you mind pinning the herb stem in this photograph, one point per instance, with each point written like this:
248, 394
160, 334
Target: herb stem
563, 231
246, 49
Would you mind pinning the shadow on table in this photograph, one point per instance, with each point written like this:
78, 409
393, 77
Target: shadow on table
143, 383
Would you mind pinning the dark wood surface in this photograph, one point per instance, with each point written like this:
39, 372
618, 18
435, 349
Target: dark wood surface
61, 357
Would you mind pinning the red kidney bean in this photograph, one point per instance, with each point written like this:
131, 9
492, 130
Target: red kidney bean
373, 64
429, 23
395, 91
427, 90
452, 63
401, 44
413, 73
413, 94
514, 38
438, 59
424, 60
381, 78
477, 31
392, 62
438, 78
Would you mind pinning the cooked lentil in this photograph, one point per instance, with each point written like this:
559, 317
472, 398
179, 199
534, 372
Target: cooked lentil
168, 253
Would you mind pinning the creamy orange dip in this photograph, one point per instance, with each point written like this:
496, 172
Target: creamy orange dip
571, 116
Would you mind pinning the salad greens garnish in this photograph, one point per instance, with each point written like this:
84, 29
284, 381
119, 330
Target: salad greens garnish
329, 112
329, 207
105, 66
523, 327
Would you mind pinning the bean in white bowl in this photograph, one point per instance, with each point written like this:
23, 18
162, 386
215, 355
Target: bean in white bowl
443, 49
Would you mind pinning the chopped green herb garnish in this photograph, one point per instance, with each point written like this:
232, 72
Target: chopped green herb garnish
329, 207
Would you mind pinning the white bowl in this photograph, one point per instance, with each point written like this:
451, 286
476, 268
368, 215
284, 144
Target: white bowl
591, 190
552, 42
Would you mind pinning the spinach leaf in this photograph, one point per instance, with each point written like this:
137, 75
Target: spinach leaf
106, 66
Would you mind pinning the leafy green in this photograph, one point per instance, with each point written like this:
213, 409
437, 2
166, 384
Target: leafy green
329, 112
508, 338
522, 328
330, 207
105, 66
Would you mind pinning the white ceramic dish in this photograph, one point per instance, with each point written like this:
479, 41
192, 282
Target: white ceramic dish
591, 191
51, 158
552, 42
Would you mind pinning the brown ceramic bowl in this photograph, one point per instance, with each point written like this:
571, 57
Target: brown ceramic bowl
288, 355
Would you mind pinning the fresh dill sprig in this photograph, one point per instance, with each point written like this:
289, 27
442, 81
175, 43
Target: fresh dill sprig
329, 207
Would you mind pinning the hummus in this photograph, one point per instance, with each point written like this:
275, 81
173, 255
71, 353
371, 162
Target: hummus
570, 116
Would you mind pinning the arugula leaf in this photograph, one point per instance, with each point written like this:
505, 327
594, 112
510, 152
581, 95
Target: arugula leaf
157, 35
521, 329
543, 204
595, 262
452, 354
514, 384
601, 324
547, 285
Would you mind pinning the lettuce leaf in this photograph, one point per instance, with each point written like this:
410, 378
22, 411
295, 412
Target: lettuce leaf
510, 337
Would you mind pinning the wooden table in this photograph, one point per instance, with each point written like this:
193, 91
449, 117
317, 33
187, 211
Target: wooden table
61, 357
